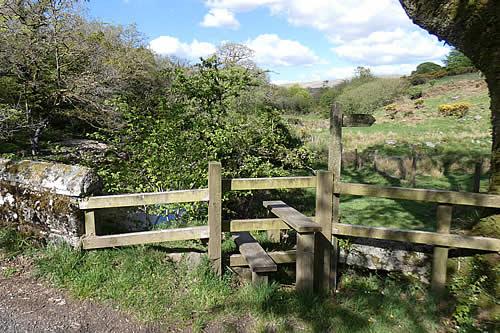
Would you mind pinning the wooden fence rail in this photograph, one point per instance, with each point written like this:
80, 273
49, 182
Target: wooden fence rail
328, 192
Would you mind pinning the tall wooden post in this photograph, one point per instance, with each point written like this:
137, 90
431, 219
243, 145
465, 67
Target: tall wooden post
304, 279
215, 215
324, 208
334, 165
440, 255
476, 180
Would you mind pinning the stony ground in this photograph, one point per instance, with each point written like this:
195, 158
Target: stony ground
28, 305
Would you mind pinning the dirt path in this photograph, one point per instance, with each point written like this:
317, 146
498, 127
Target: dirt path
26, 305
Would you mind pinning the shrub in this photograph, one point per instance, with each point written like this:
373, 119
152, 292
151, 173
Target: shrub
419, 104
418, 79
415, 92
391, 110
427, 67
367, 97
454, 109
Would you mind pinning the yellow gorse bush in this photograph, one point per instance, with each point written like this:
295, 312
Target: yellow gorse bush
454, 109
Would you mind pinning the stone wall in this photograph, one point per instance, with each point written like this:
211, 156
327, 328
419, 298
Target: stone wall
43, 197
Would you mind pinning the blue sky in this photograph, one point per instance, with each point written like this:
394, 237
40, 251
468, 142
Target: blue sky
297, 40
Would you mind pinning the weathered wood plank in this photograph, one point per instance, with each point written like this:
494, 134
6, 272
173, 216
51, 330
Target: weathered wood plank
215, 215
304, 267
274, 235
143, 199
90, 223
254, 254
324, 207
244, 184
145, 237
440, 254
254, 225
335, 165
438, 196
279, 257
418, 237
296, 220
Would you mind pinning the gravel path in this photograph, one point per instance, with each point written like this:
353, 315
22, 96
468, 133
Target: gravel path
27, 305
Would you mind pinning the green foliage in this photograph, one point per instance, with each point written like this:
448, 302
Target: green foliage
427, 67
471, 286
415, 92
367, 97
295, 99
457, 62
205, 117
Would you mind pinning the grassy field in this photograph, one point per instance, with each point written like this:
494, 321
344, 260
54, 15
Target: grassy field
436, 139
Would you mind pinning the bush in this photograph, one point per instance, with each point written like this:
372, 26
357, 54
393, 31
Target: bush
367, 97
427, 67
419, 104
454, 109
415, 92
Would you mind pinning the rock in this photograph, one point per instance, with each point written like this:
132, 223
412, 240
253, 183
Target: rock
391, 142
43, 197
70, 180
430, 144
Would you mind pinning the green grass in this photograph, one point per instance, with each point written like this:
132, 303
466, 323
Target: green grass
140, 281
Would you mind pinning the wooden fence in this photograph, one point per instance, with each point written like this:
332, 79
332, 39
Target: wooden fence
327, 216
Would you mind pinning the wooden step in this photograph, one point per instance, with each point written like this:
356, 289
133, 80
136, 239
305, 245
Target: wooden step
258, 260
295, 219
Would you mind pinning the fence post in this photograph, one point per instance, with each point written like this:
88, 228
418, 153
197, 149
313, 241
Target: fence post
476, 180
89, 223
334, 165
324, 209
440, 255
215, 216
304, 279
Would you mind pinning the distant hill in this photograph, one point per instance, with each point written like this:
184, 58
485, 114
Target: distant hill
314, 84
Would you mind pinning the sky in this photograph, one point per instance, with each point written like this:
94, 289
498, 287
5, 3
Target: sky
296, 40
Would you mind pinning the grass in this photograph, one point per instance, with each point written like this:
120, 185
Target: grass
156, 290
469, 137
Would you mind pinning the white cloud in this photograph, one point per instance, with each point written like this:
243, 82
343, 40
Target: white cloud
172, 46
345, 72
220, 17
364, 31
392, 47
271, 50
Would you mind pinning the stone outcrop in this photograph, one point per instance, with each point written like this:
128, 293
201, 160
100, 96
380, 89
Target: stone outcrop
43, 197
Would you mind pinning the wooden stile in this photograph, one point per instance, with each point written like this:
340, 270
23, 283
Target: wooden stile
215, 215
292, 217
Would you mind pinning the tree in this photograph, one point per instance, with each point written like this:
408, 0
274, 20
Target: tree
363, 73
457, 60
59, 69
234, 54
473, 28
427, 67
